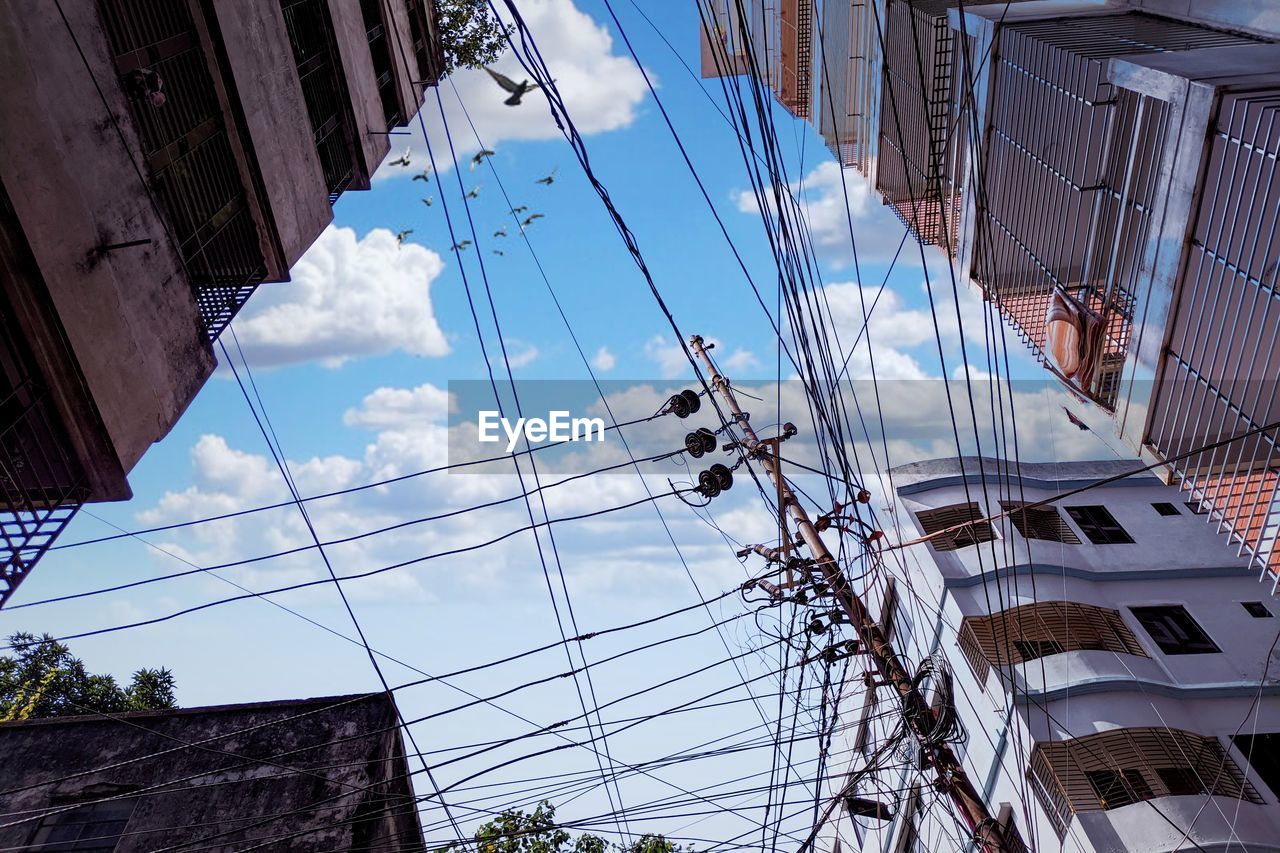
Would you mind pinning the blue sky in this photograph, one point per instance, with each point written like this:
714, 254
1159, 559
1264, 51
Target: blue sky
372, 334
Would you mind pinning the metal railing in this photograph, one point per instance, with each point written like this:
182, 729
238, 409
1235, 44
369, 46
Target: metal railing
189, 152
380, 51
848, 81
1222, 364
41, 482
323, 89
1069, 177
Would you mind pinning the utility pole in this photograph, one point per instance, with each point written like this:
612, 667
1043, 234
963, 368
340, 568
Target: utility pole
920, 717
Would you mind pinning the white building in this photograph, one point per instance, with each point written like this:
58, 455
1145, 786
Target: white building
1114, 671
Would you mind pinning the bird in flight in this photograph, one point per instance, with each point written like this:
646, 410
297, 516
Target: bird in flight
517, 90
479, 158
501, 232
516, 211
498, 252
529, 221
474, 192
549, 179
429, 200
461, 245
425, 176
401, 235
403, 159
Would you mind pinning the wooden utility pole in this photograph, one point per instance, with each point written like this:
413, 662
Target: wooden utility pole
919, 716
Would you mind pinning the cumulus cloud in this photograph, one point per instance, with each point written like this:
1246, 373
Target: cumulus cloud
604, 360
829, 215
349, 298
601, 87
672, 363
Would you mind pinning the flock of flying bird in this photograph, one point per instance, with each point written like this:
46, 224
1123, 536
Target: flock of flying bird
516, 91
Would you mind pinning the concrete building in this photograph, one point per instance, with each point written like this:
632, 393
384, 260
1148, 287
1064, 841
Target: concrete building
163, 158
1112, 670
1105, 173
311, 774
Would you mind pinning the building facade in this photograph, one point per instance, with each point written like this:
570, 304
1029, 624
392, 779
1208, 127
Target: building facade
1105, 173
314, 774
1110, 675
172, 156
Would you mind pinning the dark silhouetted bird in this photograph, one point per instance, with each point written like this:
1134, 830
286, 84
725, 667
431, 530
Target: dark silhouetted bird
530, 219
403, 160
501, 232
479, 158
401, 235
517, 90
429, 200
516, 211
425, 176
461, 245
549, 179
498, 251
474, 192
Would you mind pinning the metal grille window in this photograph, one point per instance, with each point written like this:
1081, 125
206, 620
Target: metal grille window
91, 828
188, 151
1174, 631
1032, 631
1262, 751
1040, 522
41, 483
1116, 768
972, 526
1099, 525
1070, 176
1221, 365
849, 80
915, 118
426, 45
380, 52
323, 88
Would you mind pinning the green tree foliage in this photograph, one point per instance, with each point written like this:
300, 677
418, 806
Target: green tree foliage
469, 33
537, 832
41, 678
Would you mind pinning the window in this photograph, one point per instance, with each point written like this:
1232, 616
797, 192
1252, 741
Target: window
1115, 789
975, 527
1166, 509
1099, 525
1032, 631
92, 828
1040, 522
1262, 751
1180, 781
1032, 649
1197, 508
1256, 609
1114, 768
1174, 631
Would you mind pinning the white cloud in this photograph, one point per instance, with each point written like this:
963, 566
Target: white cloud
740, 360
399, 408
349, 298
829, 215
670, 358
601, 87
519, 354
604, 360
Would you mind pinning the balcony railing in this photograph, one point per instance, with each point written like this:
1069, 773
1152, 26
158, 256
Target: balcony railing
1222, 364
41, 483
323, 88
188, 151
1065, 206
380, 51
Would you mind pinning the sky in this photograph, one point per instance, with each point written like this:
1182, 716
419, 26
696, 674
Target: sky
352, 363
